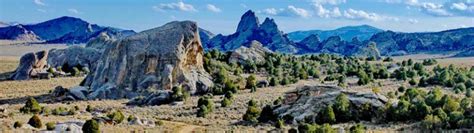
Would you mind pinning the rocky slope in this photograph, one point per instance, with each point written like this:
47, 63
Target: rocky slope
205, 35
151, 61
250, 29
362, 32
60, 30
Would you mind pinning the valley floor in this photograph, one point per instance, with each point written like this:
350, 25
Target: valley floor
176, 118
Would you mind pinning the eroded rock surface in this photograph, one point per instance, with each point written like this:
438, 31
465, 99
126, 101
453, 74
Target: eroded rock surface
254, 52
152, 60
308, 101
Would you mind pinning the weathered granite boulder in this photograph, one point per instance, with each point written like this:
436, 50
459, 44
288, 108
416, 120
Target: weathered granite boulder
308, 101
34, 64
254, 52
369, 51
30, 65
152, 60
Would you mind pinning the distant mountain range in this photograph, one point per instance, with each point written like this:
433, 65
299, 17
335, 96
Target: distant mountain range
350, 40
60, 30
362, 32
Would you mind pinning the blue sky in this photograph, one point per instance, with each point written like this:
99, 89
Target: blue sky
222, 16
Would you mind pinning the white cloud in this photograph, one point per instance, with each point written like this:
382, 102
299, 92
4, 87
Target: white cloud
331, 2
180, 6
72, 10
290, 11
299, 11
326, 13
361, 15
213, 8
412, 21
350, 13
39, 2
446, 9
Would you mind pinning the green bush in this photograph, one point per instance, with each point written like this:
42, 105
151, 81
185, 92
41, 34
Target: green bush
252, 112
203, 111
35, 121
413, 82
451, 105
50, 126
226, 102
76, 71
342, 108
89, 108
460, 87
267, 114
17, 124
273, 81
116, 116
279, 124
359, 128
31, 106
177, 93
91, 126
251, 83
131, 118
327, 115
432, 122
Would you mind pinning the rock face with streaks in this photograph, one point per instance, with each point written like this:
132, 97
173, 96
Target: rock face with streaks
254, 52
151, 61
306, 102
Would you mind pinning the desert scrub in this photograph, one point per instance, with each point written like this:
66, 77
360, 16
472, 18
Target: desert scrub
91, 126
252, 112
17, 124
31, 106
116, 116
35, 121
50, 126
205, 105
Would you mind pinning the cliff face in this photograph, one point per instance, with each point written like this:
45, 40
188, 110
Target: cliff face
155, 59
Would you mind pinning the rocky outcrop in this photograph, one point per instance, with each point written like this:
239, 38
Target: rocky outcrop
152, 60
254, 52
368, 51
250, 29
32, 64
60, 30
306, 102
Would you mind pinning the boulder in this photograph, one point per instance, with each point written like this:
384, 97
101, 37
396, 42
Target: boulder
308, 101
79, 92
254, 52
155, 59
30, 65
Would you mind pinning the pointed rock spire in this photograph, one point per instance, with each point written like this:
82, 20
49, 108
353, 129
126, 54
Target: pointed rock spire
248, 21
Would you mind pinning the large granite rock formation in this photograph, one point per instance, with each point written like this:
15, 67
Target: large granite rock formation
306, 102
250, 29
31, 64
150, 61
253, 52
